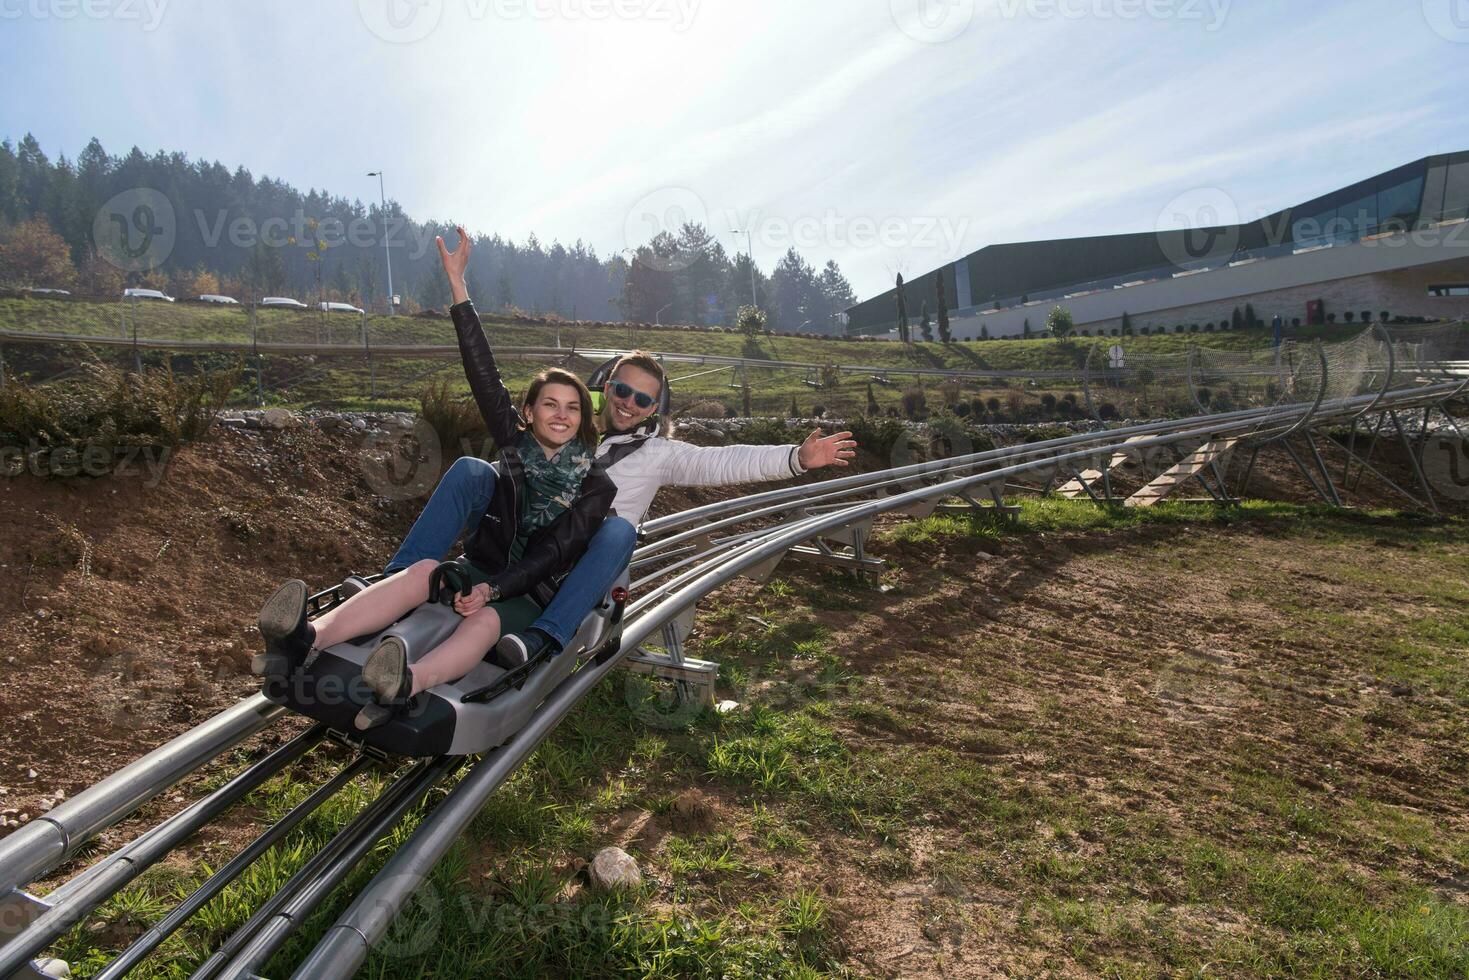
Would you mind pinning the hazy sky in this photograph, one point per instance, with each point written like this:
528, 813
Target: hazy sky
891, 135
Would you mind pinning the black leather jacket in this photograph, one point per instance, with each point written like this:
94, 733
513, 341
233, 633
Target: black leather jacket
552, 550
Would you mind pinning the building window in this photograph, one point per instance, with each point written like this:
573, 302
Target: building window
1461, 289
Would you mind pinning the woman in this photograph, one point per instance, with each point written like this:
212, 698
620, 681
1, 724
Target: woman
554, 498
637, 456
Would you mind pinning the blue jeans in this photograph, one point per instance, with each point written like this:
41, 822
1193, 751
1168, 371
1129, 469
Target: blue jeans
458, 503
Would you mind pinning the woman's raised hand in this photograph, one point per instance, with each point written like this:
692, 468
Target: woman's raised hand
455, 263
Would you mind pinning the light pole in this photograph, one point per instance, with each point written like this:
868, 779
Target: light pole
382, 195
750, 251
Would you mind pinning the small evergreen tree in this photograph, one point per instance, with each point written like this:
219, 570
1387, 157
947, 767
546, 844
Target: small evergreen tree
1236, 320
1026, 334
795, 412
945, 334
1250, 318
984, 332
872, 407
902, 311
1126, 324
924, 324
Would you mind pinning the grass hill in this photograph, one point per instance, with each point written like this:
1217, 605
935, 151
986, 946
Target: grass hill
348, 381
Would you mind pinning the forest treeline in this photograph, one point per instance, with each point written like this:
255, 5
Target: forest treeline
201, 228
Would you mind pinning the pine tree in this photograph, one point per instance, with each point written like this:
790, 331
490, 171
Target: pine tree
1236, 319
873, 408
984, 331
1126, 324
795, 412
924, 324
1027, 335
902, 311
945, 334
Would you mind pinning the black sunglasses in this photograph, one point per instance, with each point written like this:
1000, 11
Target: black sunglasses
624, 390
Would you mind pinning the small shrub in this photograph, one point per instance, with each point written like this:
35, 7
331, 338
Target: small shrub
914, 402
1349, 316
113, 409
993, 405
769, 432
456, 421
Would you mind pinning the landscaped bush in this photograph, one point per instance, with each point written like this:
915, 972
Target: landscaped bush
914, 402
770, 432
877, 435
112, 410
456, 421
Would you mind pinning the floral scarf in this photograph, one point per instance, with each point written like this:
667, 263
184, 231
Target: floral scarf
551, 485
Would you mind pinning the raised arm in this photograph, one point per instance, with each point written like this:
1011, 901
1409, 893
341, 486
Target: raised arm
490, 394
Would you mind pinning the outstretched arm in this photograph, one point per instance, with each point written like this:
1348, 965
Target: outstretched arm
684, 465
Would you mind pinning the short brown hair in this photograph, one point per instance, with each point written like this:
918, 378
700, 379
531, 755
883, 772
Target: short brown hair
640, 359
647, 362
587, 430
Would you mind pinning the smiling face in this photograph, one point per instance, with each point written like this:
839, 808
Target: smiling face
555, 415
624, 413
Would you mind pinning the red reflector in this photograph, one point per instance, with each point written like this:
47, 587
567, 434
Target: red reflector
619, 594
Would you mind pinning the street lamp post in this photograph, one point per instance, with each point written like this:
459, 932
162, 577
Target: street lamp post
750, 251
382, 195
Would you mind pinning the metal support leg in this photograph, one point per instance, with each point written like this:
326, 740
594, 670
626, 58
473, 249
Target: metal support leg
1301, 465
1413, 459
1366, 457
1321, 465
1244, 482
1366, 467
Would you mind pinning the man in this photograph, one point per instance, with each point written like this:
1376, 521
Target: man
642, 461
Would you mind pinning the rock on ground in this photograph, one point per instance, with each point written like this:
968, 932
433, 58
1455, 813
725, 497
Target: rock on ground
613, 869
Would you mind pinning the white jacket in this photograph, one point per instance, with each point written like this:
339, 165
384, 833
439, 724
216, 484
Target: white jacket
659, 462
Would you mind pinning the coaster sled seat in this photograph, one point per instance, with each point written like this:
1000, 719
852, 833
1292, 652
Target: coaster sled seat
474, 714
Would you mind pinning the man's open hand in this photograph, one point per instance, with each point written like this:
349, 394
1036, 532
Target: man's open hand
837, 449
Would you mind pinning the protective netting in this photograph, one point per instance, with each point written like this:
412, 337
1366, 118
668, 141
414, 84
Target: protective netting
1280, 383
1130, 384
1430, 353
